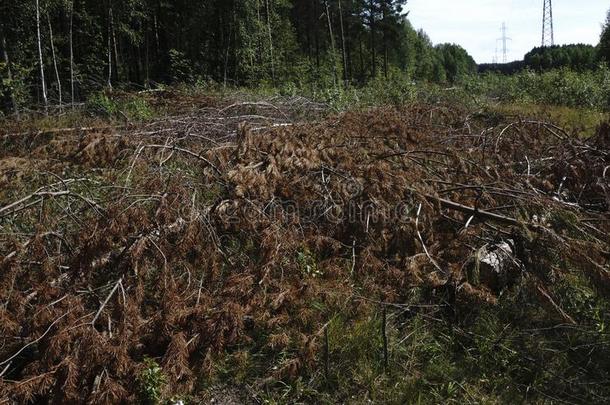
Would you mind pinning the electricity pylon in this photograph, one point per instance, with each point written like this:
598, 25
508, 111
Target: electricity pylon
548, 36
504, 40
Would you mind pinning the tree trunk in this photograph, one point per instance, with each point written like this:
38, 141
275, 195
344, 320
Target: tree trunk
270, 41
41, 63
7, 60
385, 40
110, 47
345, 76
156, 23
258, 59
59, 89
117, 66
71, 53
361, 54
372, 25
315, 30
146, 59
332, 44
225, 41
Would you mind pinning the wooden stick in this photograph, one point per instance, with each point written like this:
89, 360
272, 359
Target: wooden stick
36, 340
99, 311
384, 335
186, 151
421, 239
326, 354
476, 212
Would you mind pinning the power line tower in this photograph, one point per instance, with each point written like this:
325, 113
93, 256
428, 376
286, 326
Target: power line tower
504, 40
548, 36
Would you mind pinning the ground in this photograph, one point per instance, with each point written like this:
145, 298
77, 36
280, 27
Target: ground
242, 249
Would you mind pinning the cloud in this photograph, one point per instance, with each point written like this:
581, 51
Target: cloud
475, 24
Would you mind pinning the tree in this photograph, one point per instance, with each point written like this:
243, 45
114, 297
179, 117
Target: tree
71, 40
604, 41
57, 77
104, 43
9, 79
40, 60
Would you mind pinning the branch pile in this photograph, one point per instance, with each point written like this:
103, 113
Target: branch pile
241, 229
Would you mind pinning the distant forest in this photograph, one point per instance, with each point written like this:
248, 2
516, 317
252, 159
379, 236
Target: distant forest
61, 51
73, 47
579, 57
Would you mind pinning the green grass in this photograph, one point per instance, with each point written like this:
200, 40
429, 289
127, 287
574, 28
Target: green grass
581, 122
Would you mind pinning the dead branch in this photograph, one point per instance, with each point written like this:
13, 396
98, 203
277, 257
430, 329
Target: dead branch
99, 311
186, 151
35, 340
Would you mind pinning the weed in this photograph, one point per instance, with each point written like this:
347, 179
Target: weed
308, 263
101, 104
131, 107
152, 382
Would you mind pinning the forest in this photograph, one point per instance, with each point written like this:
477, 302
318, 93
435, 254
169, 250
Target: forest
295, 202
59, 50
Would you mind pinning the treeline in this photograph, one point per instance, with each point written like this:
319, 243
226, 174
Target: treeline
57, 51
578, 57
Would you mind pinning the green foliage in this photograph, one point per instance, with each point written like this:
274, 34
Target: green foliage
455, 61
138, 109
151, 382
102, 104
398, 89
578, 57
590, 89
604, 41
14, 88
131, 107
180, 67
270, 43
307, 263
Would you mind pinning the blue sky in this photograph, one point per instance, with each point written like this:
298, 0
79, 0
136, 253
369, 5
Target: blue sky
475, 24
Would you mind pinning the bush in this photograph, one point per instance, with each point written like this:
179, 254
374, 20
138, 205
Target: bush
151, 382
15, 87
101, 104
181, 70
561, 87
131, 107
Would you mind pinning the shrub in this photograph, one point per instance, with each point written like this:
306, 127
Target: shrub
131, 107
151, 382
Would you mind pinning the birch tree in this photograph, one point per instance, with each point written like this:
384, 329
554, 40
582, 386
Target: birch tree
71, 42
59, 89
40, 59
270, 41
109, 83
332, 43
345, 76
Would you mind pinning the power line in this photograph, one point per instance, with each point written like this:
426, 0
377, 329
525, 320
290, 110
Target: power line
548, 35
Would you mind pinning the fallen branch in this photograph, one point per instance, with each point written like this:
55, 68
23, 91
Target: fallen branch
186, 151
476, 212
99, 311
40, 195
553, 304
64, 130
421, 239
36, 340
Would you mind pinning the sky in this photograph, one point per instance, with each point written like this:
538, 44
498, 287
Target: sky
476, 24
